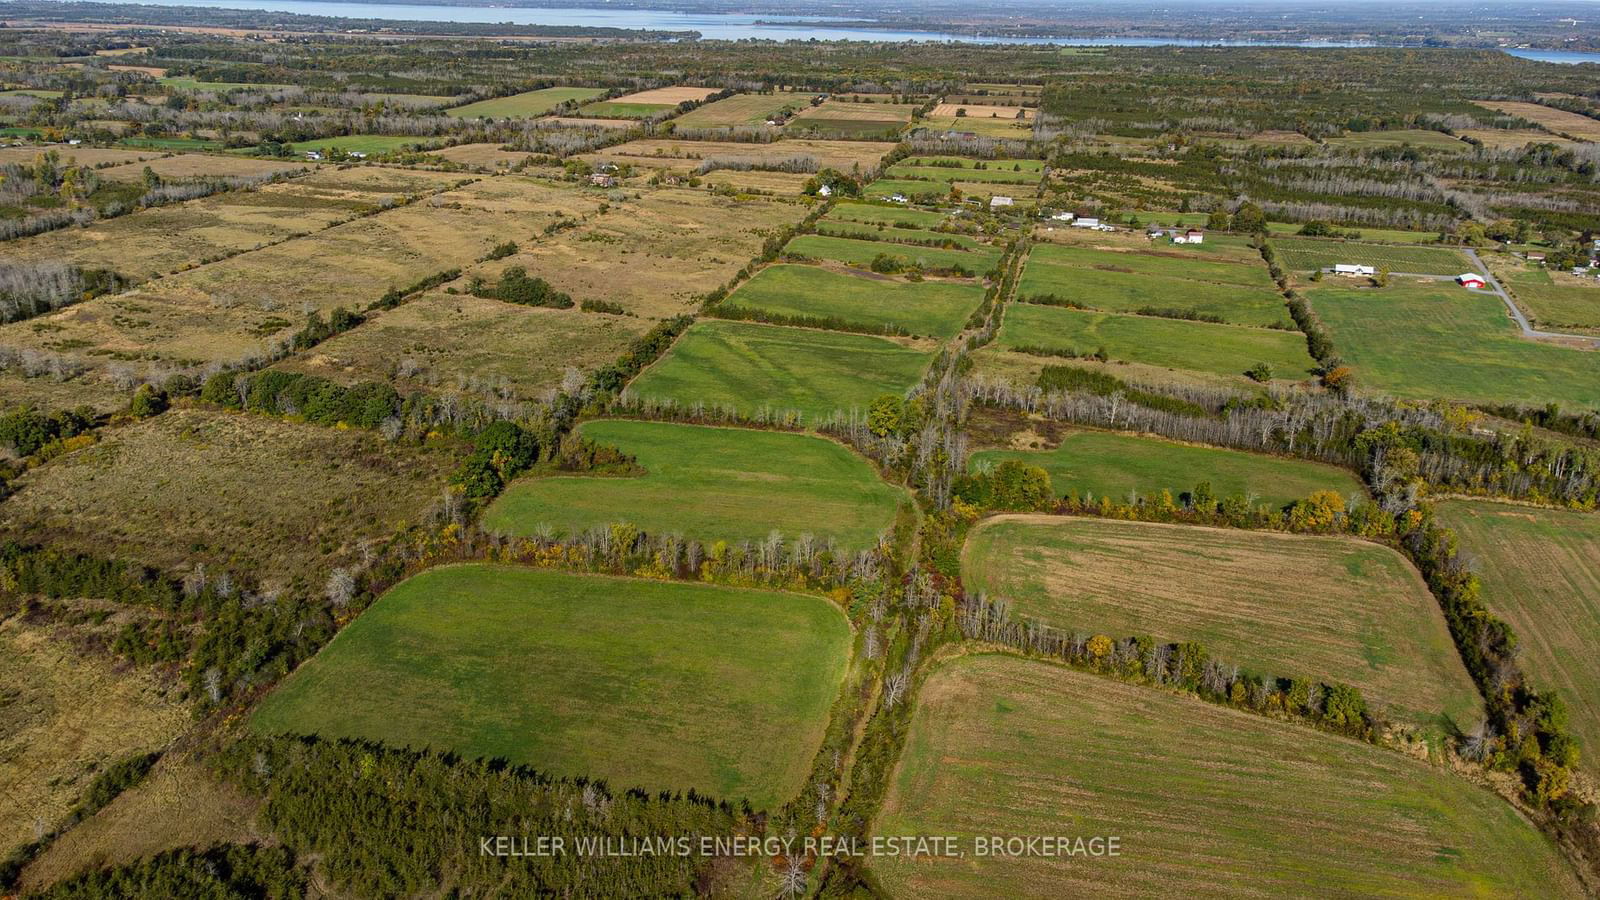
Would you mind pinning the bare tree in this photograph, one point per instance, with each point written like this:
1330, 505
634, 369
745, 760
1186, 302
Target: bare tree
341, 587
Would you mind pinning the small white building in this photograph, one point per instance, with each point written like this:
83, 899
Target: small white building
824, 191
313, 154
1535, 256
898, 198
1354, 270
1086, 222
1192, 236
998, 201
356, 154
1064, 217
1472, 280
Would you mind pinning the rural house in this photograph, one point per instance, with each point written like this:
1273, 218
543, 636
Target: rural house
599, 179
1192, 236
1085, 222
1354, 270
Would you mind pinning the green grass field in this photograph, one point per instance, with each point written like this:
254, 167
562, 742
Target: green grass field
742, 109
888, 187
875, 213
1555, 306
525, 105
749, 367
1170, 263
1426, 340
928, 308
847, 129
610, 109
1107, 464
1309, 254
999, 174
1036, 166
710, 484
892, 234
170, 143
660, 685
185, 83
1170, 343
371, 144
1417, 137
1128, 292
1332, 608
1207, 801
1541, 572
861, 253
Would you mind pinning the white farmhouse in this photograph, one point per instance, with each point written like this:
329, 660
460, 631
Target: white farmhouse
1192, 236
1354, 270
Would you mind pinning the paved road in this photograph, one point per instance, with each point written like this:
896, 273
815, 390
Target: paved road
1522, 321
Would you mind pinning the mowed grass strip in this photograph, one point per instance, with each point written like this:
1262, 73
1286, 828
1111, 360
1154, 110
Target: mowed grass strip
922, 308
1431, 340
997, 175
710, 484
1570, 304
659, 685
1308, 254
861, 253
749, 367
1331, 608
889, 215
1170, 343
524, 105
1130, 291
1106, 464
1171, 264
1540, 570
1207, 801
893, 234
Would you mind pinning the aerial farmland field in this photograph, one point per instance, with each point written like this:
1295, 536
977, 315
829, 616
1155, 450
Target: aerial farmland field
1438, 340
1308, 254
1205, 800
245, 507
862, 253
743, 109
1360, 615
751, 367
1238, 293
619, 678
869, 302
710, 484
1539, 570
1170, 343
525, 105
1107, 464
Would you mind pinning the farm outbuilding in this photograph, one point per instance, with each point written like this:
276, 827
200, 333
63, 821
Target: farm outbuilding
1354, 270
1472, 280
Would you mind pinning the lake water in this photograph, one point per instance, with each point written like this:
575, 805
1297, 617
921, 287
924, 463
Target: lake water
729, 26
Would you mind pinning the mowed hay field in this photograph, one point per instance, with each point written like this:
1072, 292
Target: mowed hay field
1207, 801
983, 111
710, 484
659, 685
1427, 340
881, 232
170, 238
63, 716
885, 214
1556, 300
447, 342
654, 254
1421, 138
1238, 292
742, 109
80, 156
683, 157
1330, 608
243, 306
1107, 464
241, 493
198, 165
525, 105
1558, 121
644, 104
929, 308
847, 118
983, 126
862, 253
750, 367
1310, 254
1540, 570
1168, 343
